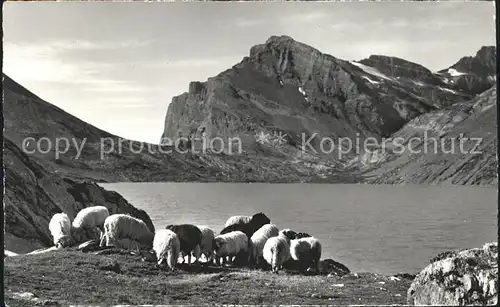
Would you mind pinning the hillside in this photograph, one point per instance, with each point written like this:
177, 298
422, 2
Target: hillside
473, 122
32, 195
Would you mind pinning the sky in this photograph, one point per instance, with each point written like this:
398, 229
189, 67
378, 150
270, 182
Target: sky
118, 65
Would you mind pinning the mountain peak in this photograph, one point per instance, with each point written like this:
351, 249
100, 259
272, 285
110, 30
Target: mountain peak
397, 67
279, 39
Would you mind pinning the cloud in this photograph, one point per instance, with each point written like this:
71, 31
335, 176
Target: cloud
32, 63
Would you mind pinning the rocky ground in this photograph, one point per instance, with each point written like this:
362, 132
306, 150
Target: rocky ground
118, 277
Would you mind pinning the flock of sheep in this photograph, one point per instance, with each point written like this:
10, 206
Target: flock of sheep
245, 240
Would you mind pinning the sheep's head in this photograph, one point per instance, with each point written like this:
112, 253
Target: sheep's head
260, 219
302, 235
172, 227
218, 245
63, 241
290, 234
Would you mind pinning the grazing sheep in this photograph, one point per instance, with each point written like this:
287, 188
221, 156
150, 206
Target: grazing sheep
190, 239
122, 226
229, 245
307, 251
256, 221
257, 241
237, 219
167, 246
207, 240
91, 217
85, 222
60, 229
277, 251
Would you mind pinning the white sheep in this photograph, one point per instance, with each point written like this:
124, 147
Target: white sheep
87, 221
60, 229
122, 226
207, 241
167, 246
91, 217
307, 251
237, 219
258, 239
277, 251
230, 244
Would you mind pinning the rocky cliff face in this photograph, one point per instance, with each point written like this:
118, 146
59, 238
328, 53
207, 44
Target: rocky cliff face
33, 195
458, 278
287, 87
472, 74
455, 145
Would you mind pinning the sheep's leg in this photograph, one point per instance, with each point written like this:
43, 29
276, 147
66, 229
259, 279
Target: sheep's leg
103, 240
110, 240
197, 253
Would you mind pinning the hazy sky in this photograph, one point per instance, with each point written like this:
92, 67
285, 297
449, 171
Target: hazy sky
118, 65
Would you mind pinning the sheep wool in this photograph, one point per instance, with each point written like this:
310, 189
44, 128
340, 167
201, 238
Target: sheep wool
122, 226
207, 240
91, 217
307, 251
237, 219
277, 251
258, 239
230, 244
60, 229
167, 247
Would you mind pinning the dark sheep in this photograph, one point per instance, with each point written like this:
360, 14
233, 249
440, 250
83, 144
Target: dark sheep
302, 235
290, 234
258, 220
190, 239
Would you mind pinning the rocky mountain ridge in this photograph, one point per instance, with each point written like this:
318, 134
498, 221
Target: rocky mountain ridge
287, 87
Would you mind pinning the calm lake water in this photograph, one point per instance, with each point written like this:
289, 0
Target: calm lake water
382, 229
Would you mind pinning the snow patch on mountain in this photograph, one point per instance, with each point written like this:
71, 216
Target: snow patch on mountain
455, 73
372, 71
371, 81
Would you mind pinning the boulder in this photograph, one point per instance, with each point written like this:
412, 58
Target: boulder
467, 277
89, 246
332, 267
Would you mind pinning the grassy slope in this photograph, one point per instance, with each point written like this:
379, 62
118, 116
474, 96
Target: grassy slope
70, 277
